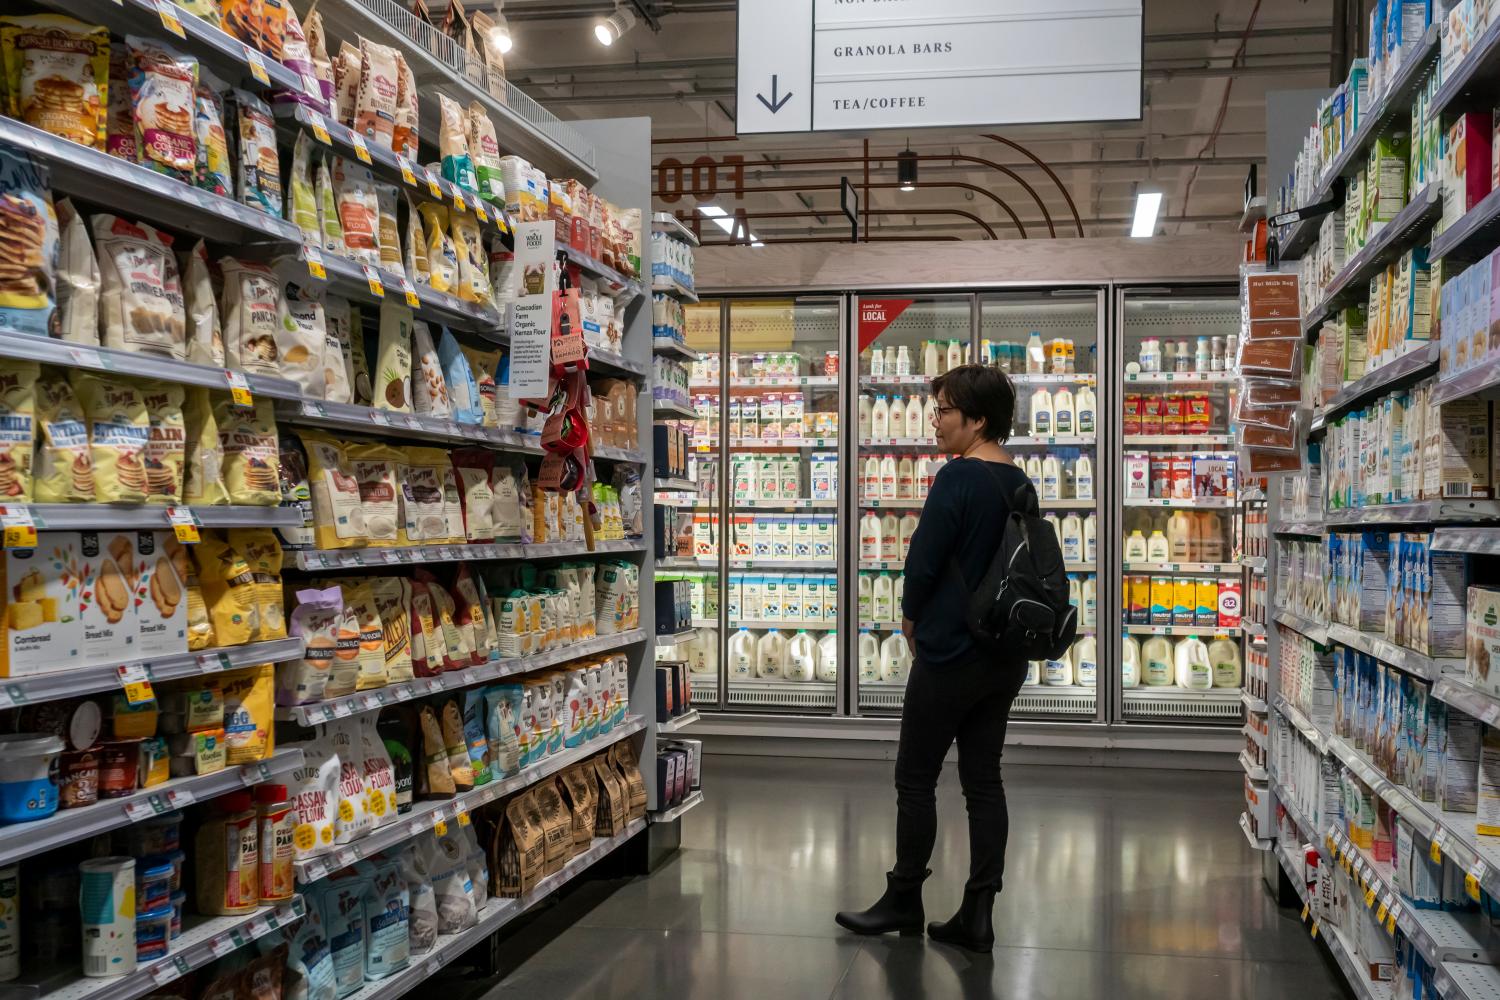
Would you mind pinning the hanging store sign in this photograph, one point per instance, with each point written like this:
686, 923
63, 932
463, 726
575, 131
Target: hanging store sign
877, 314
856, 65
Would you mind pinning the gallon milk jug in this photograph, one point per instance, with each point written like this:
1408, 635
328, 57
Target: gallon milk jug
1224, 655
801, 657
869, 656
915, 426
930, 359
1033, 673
1156, 670
955, 354
742, 654
1058, 672
1157, 548
929, 418
1085, 665
869, 480
1193, 670
1180, 536
1083, 478
903, 360
1085, 407
900, 592
1130, 663
869, 537
770, 655
828, 653
906, 486
903, 536
1072, 538
1090, 539
882, 606
1041, 413
895, 659
877, 362
1210, 537
922, 477
1063, 413
866, 596
880, 419
708, 646
1051, 519
888, 477
1088, 618
1075, 594
866, 412
1033, 466
890, 537
1051, 478
1036, 355
897, 417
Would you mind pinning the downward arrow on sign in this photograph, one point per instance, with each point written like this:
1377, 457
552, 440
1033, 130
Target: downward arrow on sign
775, 104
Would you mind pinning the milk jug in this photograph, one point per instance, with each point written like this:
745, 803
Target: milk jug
1051, 478
903, 361
915, 427
1033, 673
930, 359
869, 656
900, 592
770, 655
1193, 670
890, 360
708, 645
877, 362
1041, 413
869, 481
1036, 355
801, 657
1130, 663
1085, 665
903, 536
888, 477
869, 537
866, 595
1033, 466
880, 419
955, 354
1083, 478
1058, 672
1075, 594
895, 659
742, 654
1157, 548
906, 486
1210, 537
1089, 616
828, 646
890, 537
929, 418
1224, 655
1062, 412
1085, 407
882, 608
866, 412
897, 417
1156, 671
922, 477
1090, 540
1180, 536
1072, 538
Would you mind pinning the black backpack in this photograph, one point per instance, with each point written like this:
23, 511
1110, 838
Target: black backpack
1021, 606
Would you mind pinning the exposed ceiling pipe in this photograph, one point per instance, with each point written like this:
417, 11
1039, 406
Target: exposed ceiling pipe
882, 211
1038, 161
836, 239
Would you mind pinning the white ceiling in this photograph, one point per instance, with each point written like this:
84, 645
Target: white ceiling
682, 76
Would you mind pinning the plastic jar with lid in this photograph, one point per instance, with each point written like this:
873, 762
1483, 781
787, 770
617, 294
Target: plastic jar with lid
278, 823
28, 776
226, 857
153, 884
157, 835
153, 933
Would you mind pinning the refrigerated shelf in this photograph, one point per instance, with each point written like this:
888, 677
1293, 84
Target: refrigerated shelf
1183, 440
1180, 703
1181, 630
1195, 503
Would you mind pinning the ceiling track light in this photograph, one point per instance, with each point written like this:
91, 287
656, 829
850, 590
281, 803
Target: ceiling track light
500, 32
906, 170
611, 29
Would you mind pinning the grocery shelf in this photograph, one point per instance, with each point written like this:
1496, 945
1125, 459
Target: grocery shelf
1467, 981
671, 347
1255, 843
768, 382
1178, 378
1255, 771
1473, 235
1251, 733
1479, 541
1411, 367
614, 283
710, 445
674, 638
1180, 703
1036, 441
878, 380
22, 347
492, 917
374, 699
609, 453
756, 563
1197, 503
1034, 699
203, 940
1178, 630
1426, 667
1184, 440
687, 562
105, 516
1474, 76
1420, 512
766, 693
1254, 704
1302, 724
68, 826
1182, 567
666, 222
673, 484
900, 504
94, 176
1459, 693
780, 623
1316, 631
798, 504
678, 723
426, 815
671, 286
1049, 378
1298, 528
676, 812
70, 682
1254, 212
1477, 379
603, 361
352, 418
307, 559
664, 410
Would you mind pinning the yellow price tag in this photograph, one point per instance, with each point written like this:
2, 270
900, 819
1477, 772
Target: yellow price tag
20, 536
1369, 899
433, 186
319, 128
136, 681
1435, 851
440, 828
372, 276
314, 258
408, 291
458, 200
169, 20
1471, 886
463, 818
1315, 928
361, 151
1380, 914
239, 389
257, 66
1305, 908
478, 208
187, 534
1390, 923
406, 172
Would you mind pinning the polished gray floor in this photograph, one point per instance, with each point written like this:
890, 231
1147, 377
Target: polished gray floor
1120, 884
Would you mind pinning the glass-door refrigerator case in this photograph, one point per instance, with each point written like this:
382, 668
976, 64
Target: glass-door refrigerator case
1180, 656
1048, 342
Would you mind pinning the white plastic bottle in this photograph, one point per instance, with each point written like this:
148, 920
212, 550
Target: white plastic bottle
1062, 412
888, 477
1083, 478
906, 484
828, 654
922, 476
907, 530
1089, 616
1087, 410
897, 418
1224, 656
1192, 668
903, 361
770, 655
869, 537
1158, 550
1090, 539
801, 657
1180, 536
742, 654
1135, 547
1130, 663
1075, 595
955, 354
877, 362
1072, 538
900, 592
1032, 464
1036, 355
1150, 355
1156, 666
1201, 356
929, 418
1033, 673
865, 596
1051, 488
890, 360
930, 361
866, 413
882, 607
1085, 663
890, 536
1058, 672
880, 419
869, 479
869, 656
708, 645
915, 428
895, 659
1041, 413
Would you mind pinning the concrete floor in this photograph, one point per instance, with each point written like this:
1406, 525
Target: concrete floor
1120, 884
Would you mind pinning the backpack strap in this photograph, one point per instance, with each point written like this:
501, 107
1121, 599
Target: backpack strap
1023, 501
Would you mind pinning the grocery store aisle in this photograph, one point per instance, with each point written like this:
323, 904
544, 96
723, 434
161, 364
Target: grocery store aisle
1121, 883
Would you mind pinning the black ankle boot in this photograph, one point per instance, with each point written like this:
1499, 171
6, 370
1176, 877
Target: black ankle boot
972, 926
900, 909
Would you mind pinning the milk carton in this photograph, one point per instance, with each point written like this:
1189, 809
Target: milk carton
782, 535
40, 592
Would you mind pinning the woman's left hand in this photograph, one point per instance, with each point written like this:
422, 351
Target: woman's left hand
909, 629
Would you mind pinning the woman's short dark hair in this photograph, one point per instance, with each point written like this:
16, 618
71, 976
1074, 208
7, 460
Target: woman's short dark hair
980, 393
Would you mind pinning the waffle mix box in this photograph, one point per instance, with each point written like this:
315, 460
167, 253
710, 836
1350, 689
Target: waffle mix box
42, 625
1482, 640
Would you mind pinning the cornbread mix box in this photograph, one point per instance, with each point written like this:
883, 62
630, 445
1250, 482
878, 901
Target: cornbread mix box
1482, 640
111, 570
161, 594
40, 593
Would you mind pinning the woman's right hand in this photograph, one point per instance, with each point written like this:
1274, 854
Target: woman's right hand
909, 629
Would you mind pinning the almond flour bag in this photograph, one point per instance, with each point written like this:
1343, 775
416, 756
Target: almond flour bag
140, 302
358, 210
473, 261
77, 279
252, 453
429, 388
392, 381
64, 463
338, 365
205, 336
338, 512
204, 457
301, 330
162, 86
118, 433
315, 620
166, 448
251, 307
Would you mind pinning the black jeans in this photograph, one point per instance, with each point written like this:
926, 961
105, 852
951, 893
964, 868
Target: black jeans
968, 701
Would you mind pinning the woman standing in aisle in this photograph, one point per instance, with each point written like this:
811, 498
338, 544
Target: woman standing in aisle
956, 691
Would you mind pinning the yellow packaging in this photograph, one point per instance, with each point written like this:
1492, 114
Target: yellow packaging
64, 471
252, 451
200, 627
155, 763
262, 552
1162, 597
393, 602
359, 597
249, 707
1184, 601
118, 432
228, 590
203, 483
338, 513
1206, 609
57, 75
473, 260
132, 722
166, 448
442, 257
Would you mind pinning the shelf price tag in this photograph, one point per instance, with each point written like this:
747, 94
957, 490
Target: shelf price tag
254, 774
1305, 908
406, 172
372, 276
1315, 928
167, 11
439, 827
221, 945
19, 528
433, 187
213, 663
458, 199
135, 678
1392, 917
239, 389
478, 207
408, 291
184, 523
257, 66
1385, 908
361, 151
314, 258
1435, 848
463, 817
139, 809
1474, 878
1369, 899
165, 972
319, 128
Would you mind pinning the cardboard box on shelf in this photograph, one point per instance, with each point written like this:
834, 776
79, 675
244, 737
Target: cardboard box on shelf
41, 590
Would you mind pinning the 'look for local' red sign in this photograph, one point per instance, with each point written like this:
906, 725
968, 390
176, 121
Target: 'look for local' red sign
877, 314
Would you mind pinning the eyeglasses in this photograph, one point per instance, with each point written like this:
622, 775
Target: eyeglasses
943, 411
